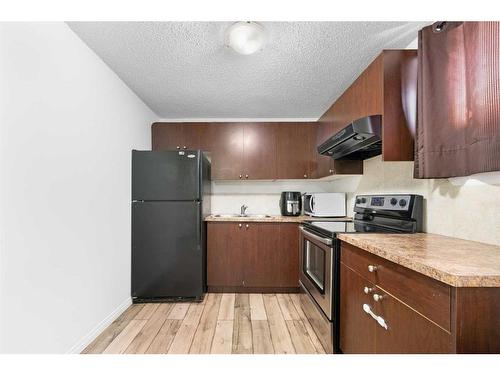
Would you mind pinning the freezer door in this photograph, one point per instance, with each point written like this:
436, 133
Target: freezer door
166, 175
167, 250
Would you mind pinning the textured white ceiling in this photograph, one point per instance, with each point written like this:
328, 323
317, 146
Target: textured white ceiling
183, 70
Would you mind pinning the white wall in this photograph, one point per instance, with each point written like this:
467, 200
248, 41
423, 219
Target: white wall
67, 125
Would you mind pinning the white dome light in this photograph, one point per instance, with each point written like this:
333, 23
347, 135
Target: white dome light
245, 37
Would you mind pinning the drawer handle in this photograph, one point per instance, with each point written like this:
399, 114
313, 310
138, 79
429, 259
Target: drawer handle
379, 319
377, 297
367, 290
372, 268
239, 225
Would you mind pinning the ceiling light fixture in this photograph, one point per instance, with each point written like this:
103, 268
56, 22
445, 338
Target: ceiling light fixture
246, 37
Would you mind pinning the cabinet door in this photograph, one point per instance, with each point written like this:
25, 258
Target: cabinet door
226, 140
259, 151
225, 254
323, 165
408, 332
261, 242
166, 136
357, 328
288, 253
196, 136
294, 154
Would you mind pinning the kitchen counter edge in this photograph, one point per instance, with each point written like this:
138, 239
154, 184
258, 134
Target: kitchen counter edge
273, 219
453, 261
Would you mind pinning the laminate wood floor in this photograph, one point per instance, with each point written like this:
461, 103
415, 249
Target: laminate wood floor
221, 324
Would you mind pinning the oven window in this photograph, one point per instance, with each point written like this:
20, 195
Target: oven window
314, 265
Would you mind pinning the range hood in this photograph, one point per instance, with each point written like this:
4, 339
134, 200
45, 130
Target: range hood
360, 140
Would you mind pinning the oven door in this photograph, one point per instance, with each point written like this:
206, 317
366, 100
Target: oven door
316, 268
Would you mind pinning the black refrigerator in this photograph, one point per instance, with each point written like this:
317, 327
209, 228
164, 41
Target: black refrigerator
170, 197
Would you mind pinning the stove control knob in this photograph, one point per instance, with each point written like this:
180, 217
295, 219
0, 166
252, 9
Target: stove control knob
363, 200
358, 200
394, 201
402, 202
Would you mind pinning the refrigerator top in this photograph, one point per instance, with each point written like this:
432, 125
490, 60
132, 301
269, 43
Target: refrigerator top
167, 175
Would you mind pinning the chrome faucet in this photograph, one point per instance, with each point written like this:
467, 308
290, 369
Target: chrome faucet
243, 210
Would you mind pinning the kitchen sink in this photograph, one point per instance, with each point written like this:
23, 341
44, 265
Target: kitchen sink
239, 215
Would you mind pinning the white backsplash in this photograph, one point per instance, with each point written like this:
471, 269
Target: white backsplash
262, 197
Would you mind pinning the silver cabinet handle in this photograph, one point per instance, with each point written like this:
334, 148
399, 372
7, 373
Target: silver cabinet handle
184, 147
246, 176
178, 147
379, 319
330, 171
305, 175
372, 268
377, 297
247, 226
239, 225
241, 176
326, 241
367, 290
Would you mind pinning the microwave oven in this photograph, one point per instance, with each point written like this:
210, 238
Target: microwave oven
325, 204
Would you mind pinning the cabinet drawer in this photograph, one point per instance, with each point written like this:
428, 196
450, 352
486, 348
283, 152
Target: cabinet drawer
407, 331
429, 297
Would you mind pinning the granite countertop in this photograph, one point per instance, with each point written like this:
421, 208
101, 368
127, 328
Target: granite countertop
275, 219
456, 262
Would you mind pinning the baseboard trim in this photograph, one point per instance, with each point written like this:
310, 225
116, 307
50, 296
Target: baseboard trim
99, 328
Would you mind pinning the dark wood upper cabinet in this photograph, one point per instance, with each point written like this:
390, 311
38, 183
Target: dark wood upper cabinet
246, 151
167, 136
180, 135
226, 150
259, 151
295, 150
196, 136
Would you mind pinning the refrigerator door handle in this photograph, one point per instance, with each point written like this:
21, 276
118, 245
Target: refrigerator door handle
199, 224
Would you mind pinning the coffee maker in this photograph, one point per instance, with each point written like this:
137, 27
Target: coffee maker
291, 203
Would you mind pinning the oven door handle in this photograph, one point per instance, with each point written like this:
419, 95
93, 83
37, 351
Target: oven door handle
326, 241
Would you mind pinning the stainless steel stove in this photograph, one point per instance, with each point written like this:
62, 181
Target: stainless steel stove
320, 254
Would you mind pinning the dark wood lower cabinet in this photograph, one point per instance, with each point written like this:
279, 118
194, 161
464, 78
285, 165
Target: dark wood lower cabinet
407, 331
225, 254
252, 256
261, 255
357, 329
411, 313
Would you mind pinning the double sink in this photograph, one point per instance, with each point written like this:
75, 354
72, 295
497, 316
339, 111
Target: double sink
242, 215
